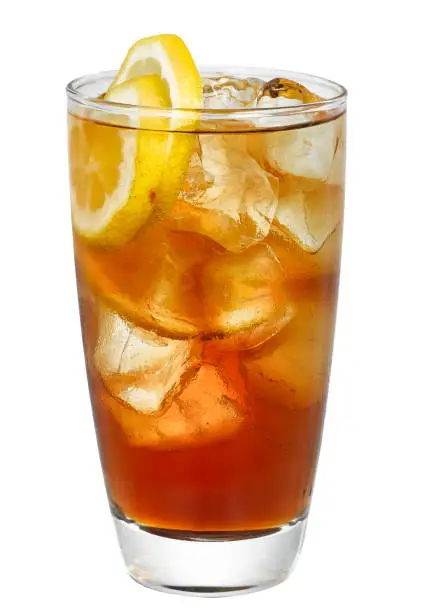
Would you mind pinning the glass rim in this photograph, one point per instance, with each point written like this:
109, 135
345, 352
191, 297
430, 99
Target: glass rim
75, 94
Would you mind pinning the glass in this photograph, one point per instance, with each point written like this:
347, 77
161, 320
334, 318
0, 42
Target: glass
208, 335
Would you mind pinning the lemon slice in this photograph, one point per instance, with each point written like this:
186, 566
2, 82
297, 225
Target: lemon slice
168, 56
115, 171
120, 176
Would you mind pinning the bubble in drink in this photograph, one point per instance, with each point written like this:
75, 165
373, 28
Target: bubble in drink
229, 92
138, 366
244, 298
226, 195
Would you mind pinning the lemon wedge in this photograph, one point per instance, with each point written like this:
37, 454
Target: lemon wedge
120, 175
168, 56
115, 171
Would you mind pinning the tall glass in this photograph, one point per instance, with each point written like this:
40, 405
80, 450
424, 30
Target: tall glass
208, 332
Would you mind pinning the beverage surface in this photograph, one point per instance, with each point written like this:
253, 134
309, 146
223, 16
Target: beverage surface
207, 268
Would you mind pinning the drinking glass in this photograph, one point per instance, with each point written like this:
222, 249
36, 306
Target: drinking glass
208, 333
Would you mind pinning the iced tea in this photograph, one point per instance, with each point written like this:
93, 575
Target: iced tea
208, 308
209, 338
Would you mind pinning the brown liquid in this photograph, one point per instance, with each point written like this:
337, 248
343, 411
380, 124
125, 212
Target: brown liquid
260, 474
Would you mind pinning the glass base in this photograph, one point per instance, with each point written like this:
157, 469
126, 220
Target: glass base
213, 564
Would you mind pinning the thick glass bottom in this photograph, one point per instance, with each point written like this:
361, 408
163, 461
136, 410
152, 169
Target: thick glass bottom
213, 564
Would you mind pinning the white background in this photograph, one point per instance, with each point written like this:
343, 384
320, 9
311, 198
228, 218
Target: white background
375, 537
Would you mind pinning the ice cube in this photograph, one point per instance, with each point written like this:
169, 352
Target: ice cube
283, 92
206, 408
151, 280
304, 151
309, 211
196, 179
138, 366
311, 153
336, 174
245, 302
302, 265
228, 196
293, 367
230, 92
172, 300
